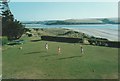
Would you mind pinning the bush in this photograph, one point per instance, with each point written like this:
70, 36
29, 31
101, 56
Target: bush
30, 35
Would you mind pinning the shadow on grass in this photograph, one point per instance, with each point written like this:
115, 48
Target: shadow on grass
48, 55
36, 52
69, 57
36, 40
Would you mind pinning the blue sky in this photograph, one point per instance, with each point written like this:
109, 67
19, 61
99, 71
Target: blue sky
25, 11
64, 1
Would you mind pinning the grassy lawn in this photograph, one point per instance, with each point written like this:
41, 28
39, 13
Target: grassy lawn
34, 62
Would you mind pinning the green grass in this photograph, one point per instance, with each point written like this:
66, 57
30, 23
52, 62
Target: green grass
33, 62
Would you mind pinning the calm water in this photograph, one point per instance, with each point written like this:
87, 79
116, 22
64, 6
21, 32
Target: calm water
71, 26
105, 31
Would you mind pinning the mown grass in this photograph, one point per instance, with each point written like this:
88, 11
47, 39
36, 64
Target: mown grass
34, 62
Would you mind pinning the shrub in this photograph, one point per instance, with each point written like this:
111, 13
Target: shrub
29, 35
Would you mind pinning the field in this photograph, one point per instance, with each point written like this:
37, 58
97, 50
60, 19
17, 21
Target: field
34, 62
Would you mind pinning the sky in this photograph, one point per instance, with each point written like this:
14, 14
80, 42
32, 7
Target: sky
64, 1
39, 11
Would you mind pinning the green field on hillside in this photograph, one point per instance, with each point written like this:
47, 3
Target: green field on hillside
34, 62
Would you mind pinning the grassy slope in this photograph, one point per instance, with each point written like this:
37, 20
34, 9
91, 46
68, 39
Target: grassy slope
34, 62
57, 32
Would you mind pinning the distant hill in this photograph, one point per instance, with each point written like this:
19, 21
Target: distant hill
32, 22
83, 21
115, 20
76, 21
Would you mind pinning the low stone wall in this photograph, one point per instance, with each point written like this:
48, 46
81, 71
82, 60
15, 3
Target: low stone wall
62, 39
106, 43
114, 44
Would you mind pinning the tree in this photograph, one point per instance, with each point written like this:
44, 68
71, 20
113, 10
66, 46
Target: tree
11, 27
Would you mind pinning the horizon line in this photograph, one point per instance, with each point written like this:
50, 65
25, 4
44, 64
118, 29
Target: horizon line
74, 19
